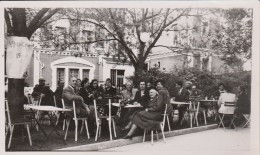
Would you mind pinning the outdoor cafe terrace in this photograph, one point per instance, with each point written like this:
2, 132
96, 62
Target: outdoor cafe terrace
55, 140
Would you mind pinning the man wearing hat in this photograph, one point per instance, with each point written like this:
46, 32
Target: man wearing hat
46, 92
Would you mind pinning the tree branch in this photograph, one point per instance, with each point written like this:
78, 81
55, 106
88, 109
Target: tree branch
41, 22
90, 42
129, 52
37, 18
8, 23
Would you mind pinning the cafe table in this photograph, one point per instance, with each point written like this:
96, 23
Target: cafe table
47, 109
128, 105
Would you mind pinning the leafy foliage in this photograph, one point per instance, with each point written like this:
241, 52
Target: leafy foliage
234, 39
205, 81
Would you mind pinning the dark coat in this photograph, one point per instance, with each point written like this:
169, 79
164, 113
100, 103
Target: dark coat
243, 103
58, 96
143, 100
47, 99
149, 120
85, 95
164, 97
183, 96
110, 91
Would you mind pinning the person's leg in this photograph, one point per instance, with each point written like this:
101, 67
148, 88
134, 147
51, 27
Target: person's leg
132, 130
128, 126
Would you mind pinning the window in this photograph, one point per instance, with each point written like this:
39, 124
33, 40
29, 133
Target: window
117, 77
60, 75
85, 73
73, 73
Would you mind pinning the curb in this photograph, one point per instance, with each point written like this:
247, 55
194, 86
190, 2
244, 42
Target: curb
139, 139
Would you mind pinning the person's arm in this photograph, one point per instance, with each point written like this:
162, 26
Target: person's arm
220, 100
70, 96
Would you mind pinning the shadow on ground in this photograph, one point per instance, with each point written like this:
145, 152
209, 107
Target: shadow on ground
55, 142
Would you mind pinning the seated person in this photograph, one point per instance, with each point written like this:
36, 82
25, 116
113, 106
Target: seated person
195, 92
182, 95
45, 91
85, 93
142, 97
221, 90
243, 102
97, 94
226, 97
109, 90
128, 96
58, 94
150, 118
69, 95
129, 93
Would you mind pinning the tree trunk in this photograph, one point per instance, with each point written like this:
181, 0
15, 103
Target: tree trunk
16, 97
16, 86
138, 72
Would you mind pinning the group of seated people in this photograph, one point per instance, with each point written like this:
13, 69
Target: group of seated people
152, 98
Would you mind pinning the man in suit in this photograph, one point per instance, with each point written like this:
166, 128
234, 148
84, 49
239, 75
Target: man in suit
45, 91
182, 95
69, 94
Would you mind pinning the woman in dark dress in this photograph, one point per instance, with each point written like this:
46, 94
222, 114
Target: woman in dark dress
141, 97
150, 118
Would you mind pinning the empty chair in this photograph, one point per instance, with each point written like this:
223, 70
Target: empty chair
11, 124
109, 118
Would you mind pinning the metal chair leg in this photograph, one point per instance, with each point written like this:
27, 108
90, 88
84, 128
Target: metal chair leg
191, 120
205, 118
76, 130
163, 133
110, 132
29, 135
97, 132
114, 128
169, 127
66, 133
11, 135
82, 125
152, 137
157, 135
144, 135
86, 124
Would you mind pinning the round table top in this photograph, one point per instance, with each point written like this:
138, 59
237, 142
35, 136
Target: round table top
128, 105
175, 102
208, 100
45, 108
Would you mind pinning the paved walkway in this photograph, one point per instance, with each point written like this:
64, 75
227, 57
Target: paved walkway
216, 141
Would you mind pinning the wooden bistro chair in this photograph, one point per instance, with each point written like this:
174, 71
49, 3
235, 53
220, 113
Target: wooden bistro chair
229, 112
109, 118
247, 120
76, 119
12, 123
162, 123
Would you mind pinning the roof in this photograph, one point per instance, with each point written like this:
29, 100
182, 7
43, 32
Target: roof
111, 60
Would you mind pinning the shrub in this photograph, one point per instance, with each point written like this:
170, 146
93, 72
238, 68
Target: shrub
204, 80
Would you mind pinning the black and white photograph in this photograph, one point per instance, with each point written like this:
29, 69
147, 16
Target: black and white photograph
130, 76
